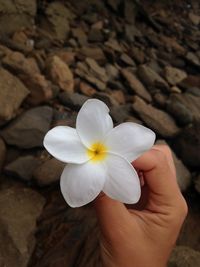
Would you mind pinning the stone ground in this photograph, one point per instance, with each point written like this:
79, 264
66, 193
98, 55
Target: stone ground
54, 55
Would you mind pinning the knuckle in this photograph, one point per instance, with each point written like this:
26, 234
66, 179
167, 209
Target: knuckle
159, 155
181, 208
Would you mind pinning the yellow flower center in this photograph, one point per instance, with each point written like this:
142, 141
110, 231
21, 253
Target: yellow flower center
97, 152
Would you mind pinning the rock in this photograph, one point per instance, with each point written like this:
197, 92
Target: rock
16, 16
119, 96
96, 70
41, 90
12, 94
130, 11
152, 78
80, 35
193, 58
29, 129
172, 44
19, 210
67, 56
93, 52
106, 98
179, 111
2, 153
137, 87
160, 99
190, 106
182, 173
120, 113
184, 257
114, 4
114, 45
48, 172
22, 167
56, 21
195, 19
112, 72
156, 119
138, 55
60, 74
187, 145
197, 183
20, 65
86, 89
174, 75
74, 100
95, 35
127, 60
131, 32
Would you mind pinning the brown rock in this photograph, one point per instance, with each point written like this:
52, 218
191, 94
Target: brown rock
136, 85
22, 167
48, 172
86, 89
80, 35
174, 75
93, 52
152, 78
20, 65
19, 210
16, 16
56, 21
195, 19
127, 60
138, 55
119, 96
2, 153
67, 56
60, 74
171, 43
96, 70
156, 119
12, 94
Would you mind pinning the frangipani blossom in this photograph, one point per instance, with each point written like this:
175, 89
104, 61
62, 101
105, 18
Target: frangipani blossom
99, 156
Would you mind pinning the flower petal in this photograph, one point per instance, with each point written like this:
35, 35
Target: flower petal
64, 144
123, 182
93, 122
129, 140
82, 183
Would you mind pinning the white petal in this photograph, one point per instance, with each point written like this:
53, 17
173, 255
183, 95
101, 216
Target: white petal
129, 140
82, 183
123, 182
93, 122
64, 144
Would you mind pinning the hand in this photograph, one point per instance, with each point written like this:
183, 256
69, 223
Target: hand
144, 235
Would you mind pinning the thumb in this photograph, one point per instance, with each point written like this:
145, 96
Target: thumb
111, 214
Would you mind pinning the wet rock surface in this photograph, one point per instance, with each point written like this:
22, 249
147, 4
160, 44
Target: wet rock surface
54, 55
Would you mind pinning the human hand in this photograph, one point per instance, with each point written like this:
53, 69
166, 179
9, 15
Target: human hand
144, 235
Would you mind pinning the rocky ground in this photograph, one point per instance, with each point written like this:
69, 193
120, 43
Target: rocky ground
54, 55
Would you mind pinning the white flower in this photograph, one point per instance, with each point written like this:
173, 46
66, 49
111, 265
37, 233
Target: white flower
99, 155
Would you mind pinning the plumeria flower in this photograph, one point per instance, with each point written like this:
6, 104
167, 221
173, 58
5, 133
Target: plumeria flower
99, 156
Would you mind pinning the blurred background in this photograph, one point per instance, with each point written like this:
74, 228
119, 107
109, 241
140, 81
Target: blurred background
142, 58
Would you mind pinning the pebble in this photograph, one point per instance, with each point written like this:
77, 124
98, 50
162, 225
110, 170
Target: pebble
28, 129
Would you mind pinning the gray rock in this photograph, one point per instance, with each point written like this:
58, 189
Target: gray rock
96, 70
183, 256
120, 113
182, 173
180, 112
156, 119
174, 75
106, 98
22, 167
190, 102
16, 15
29, 129
152, 78
48, 172
19, 210
2, 153
187, 145
136, 85
12, 94
74, 100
